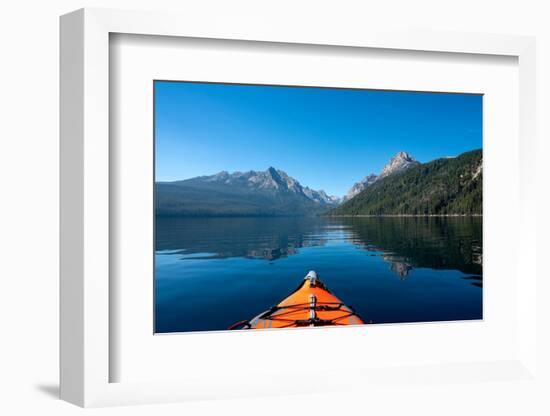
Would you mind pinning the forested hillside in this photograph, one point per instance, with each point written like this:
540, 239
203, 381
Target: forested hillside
449, 186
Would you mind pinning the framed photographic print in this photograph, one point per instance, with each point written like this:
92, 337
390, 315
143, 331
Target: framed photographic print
235, 197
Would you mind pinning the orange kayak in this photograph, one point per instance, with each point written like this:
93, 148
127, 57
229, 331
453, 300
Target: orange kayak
311, 304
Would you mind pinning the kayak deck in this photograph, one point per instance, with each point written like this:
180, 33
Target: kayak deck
310, 305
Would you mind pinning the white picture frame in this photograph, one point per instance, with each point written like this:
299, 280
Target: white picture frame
86, 219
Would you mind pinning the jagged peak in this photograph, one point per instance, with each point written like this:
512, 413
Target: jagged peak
402, 160
403, 155
271, 179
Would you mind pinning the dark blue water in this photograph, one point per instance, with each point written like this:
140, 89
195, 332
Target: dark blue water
213, 272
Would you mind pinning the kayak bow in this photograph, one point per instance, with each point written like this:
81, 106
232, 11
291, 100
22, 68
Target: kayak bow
311, 304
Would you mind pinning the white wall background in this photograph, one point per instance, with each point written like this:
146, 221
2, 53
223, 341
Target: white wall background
29, 200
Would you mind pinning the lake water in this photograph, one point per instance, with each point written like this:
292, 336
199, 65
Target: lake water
213, 272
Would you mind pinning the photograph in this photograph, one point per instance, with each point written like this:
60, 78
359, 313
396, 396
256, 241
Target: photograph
279, 206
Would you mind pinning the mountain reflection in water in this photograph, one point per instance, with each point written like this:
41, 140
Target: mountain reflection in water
213, 272
404, 242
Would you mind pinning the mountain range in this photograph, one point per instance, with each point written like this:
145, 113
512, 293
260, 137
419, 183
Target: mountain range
254, 193
404, 187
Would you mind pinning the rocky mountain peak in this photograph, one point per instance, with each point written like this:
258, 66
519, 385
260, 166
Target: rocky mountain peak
403, 155
402, 160
360, 186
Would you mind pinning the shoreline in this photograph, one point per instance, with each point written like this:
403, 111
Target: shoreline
403, 215
324, 216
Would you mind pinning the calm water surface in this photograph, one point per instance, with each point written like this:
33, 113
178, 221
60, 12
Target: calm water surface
213, 272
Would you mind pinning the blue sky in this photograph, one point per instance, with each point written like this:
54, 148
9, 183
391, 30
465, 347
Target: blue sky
325, 138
